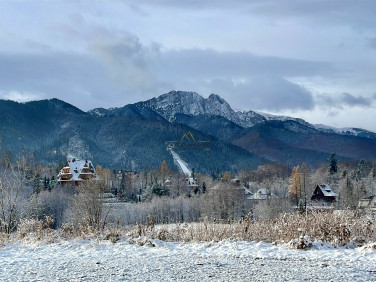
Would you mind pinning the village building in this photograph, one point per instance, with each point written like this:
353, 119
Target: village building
367, 206
76, 172
261, 194
323, 196
191, 182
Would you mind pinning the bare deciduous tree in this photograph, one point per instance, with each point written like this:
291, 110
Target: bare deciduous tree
11, 184
87, 206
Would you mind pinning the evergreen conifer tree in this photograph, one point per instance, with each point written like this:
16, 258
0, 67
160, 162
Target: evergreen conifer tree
203, 187
333, 166
45, 183
36, 184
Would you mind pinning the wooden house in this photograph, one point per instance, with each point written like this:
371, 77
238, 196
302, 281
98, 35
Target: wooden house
324, 195
75, 172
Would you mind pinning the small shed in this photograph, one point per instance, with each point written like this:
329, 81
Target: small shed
324, 193
368, 203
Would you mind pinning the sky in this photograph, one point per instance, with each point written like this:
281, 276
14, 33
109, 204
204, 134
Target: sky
312, 59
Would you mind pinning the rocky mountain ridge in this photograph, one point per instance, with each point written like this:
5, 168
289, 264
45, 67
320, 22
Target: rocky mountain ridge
175, 103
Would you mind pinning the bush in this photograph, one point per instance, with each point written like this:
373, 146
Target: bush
35, 227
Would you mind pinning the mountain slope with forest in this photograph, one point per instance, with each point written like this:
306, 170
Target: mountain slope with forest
134, 136
134, 139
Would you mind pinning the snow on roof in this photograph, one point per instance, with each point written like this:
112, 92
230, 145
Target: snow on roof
246, 191
327, 191
261, 194
76, 167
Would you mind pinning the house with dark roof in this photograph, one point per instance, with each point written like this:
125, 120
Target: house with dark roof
324, 195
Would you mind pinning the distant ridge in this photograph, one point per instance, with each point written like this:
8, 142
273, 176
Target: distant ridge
135, 136
175, 103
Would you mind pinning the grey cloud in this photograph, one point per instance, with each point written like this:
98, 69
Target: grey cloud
352, 100
69, 77
121, 68
345, 99
343, 12
124, 71
371, 42
324, 100
129, 63
264, 93
333, 113
198, 62
192, 4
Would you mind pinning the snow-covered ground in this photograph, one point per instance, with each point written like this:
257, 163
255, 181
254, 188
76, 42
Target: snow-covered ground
183, 166
223, 261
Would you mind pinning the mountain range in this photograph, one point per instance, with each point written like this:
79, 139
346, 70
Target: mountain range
134, 136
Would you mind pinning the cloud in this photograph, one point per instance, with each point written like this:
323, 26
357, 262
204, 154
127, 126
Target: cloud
208, 62
119, 69
64, 76
21, 96
351, 100
343, 100
264, 93
130, 63
338, 12
193, 4
371, 42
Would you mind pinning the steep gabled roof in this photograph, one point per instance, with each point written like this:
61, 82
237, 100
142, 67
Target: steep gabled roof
327, 191
76, 169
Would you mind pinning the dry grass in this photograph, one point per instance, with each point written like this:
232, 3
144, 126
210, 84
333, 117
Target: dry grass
330, 227
336, 228
35, 227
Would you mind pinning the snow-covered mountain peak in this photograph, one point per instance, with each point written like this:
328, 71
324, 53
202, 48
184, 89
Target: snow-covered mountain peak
215, 97
174, 102
190, 103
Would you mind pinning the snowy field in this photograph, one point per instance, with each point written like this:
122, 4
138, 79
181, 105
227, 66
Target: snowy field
224, 261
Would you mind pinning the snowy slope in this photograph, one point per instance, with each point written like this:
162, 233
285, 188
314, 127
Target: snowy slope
349, 131
191, 103
223, 261
180, 163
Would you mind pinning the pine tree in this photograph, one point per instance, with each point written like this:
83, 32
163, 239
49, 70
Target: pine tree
360, 171
36, 184
45, 184
203, 187
333, 167
49, 184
